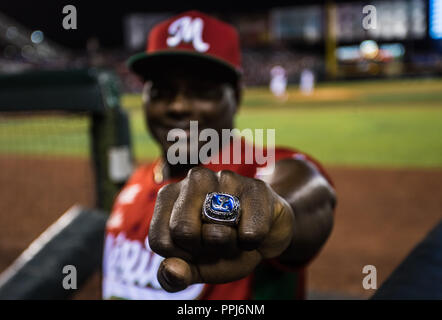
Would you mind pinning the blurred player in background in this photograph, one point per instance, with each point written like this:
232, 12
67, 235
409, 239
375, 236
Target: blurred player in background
278, 82
159, 244
307, 82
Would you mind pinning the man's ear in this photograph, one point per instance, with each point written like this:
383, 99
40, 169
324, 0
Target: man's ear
145, 94
239, 89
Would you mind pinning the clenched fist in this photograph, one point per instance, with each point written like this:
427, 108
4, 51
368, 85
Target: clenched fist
197, 251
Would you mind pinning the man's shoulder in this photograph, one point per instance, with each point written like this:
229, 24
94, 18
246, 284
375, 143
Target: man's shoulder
284, 153
281, 152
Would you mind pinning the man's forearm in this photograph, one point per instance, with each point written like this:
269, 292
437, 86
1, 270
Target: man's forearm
313, 200
312, 229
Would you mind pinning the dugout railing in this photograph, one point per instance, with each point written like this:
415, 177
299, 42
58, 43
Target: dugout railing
37, 273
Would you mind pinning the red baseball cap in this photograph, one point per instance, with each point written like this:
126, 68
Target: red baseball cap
190, 36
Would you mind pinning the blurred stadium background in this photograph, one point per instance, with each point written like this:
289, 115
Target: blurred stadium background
374, 118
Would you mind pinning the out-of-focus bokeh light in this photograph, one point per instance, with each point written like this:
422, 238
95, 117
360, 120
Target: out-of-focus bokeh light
28, 52
10, 51
11, 33
369, 49
37, 37
392, 50
347, 53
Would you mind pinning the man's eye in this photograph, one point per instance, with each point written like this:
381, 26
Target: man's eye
153, 92
160, 93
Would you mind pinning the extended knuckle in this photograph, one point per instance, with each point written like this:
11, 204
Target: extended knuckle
251, 237
183, 231
160, 244
216, 239
259, 185
227, 176
259, 190
166, 190
200, 178
218, 235
198, 173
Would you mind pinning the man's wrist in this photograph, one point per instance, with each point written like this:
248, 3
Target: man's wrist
284, 266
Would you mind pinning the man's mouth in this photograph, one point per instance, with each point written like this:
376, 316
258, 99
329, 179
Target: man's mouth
183, 130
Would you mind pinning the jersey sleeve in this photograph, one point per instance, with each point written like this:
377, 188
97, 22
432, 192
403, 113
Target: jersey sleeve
285, 153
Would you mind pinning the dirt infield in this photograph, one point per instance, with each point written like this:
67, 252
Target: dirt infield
380, 217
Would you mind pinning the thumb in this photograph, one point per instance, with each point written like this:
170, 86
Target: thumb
175, 274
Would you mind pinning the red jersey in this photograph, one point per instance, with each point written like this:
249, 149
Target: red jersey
130, 266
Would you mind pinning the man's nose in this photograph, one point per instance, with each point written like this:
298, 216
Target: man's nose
180, 107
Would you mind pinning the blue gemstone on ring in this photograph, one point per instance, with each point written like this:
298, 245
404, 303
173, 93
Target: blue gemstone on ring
221, 207
222, 202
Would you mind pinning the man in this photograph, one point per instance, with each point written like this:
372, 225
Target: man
210, 229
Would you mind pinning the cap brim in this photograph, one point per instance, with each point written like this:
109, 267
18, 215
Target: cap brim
147, 65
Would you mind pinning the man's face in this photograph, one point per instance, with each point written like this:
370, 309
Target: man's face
179, 95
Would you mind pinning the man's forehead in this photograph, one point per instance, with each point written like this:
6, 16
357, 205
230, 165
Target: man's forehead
187, 84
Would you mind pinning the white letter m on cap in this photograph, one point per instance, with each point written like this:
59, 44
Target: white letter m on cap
187, 30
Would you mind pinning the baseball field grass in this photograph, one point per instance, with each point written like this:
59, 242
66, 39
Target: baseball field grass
372, 123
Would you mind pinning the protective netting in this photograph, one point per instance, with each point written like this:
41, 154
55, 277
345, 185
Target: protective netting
45, 168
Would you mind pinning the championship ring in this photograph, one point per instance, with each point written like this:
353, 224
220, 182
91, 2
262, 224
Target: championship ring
221, 208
